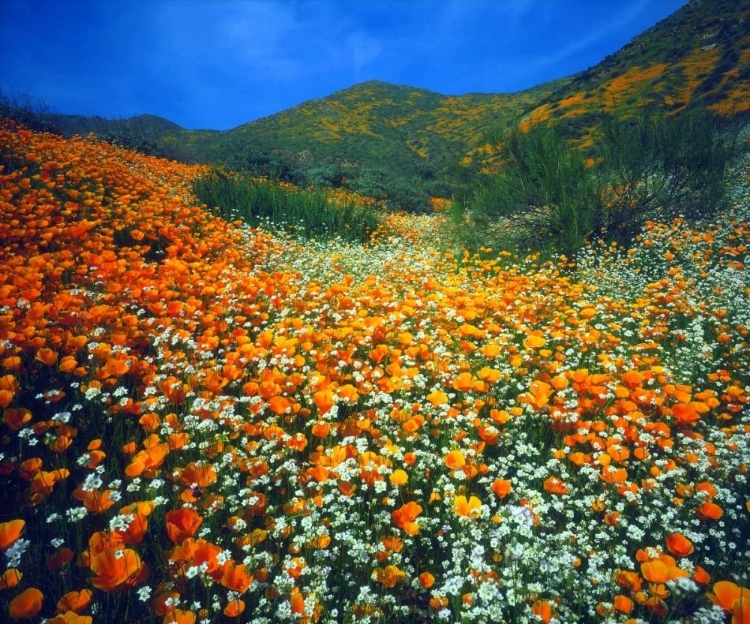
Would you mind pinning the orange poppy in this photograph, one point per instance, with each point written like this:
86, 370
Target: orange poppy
10, 578
405, 517
71, 617
9, 532
8, 387
321, 429
324, 400
75, 601
679, 545
471, 508
455, 459
179, 616
135, 531
398, 477
543, 610
16, 417
236, 577
26, 605
389, 576
701, 576
234, 608
534, 342
427, 580
205, 552
553, 485
709, 510
657, 571
437, 398
202, 475
182, 523
726, 594
501, 487
46, 356
613, 475
280, 405
113, 567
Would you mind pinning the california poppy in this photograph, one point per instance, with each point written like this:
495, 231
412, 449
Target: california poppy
726, 593
75, 601
679, 545
9, 532
113, 567
27, 604
10, 578
501, 487
471, 508
182, 523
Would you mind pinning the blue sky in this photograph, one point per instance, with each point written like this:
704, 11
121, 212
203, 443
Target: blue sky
220, 63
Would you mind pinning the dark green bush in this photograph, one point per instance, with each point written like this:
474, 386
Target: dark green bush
546, 198
657, 168
542, 196
265, 163
31, 112
312, 213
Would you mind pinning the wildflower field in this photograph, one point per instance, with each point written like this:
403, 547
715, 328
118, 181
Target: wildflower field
202, 422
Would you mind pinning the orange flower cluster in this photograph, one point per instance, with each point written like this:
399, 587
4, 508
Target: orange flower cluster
200, 420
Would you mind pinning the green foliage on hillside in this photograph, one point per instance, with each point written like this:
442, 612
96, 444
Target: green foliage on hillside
405, 145
548, 197
312, 213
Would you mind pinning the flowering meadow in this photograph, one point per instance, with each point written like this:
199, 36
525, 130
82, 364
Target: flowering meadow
204, 422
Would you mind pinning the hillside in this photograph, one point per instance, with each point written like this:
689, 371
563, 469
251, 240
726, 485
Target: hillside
698, 57
200, 419
406, 145
380, 124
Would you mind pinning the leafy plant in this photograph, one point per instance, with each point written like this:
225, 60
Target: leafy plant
34, 113
542, 196
312, 213
546, 196
660, 168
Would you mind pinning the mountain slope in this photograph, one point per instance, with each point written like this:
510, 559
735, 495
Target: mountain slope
379, 124
699, 57
405, 144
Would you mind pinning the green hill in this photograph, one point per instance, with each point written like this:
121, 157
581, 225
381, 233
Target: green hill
405, 144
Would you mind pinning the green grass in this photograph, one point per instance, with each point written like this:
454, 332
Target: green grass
310, 213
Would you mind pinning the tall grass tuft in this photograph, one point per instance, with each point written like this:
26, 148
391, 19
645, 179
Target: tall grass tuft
311, 213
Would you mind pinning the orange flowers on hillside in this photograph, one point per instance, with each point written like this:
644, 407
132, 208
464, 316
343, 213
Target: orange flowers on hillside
376, 407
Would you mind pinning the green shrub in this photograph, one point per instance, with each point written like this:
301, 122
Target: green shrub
542, 197
657, 168
30, 112
545, 198
312, 213
271, 164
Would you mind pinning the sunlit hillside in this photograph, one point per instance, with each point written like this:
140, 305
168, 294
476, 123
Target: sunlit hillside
405, 145
204, 422
698, 57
